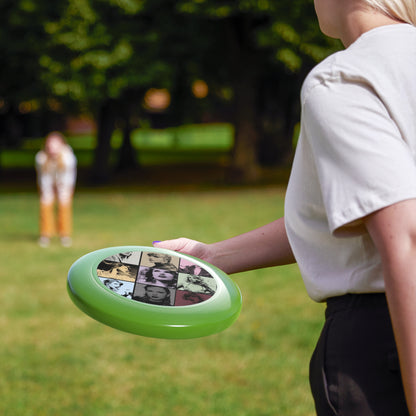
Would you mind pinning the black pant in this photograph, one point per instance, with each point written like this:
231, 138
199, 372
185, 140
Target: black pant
354, 370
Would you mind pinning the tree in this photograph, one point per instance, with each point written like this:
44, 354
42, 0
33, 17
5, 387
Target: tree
105, 54
261, 45
101, 56
22, 41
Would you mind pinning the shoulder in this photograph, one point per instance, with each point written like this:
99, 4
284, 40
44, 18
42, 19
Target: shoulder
371, 61
68, 155
338, 70
318, 76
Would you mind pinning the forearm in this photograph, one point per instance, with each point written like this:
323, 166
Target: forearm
393, 230
401, 296
266, 246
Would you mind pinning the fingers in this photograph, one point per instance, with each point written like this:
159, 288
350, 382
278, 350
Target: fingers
183, 245
174, 245
177, 244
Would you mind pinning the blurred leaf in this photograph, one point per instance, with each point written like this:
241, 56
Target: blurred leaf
290, 59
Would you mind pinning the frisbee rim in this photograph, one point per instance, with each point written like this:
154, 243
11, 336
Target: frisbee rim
185, 321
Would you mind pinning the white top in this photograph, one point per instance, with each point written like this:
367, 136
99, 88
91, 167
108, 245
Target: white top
356, 154
56, 177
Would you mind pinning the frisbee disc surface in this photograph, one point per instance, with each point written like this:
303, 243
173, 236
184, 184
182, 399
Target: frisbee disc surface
154, 292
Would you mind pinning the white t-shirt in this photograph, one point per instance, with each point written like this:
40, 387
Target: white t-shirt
356, 154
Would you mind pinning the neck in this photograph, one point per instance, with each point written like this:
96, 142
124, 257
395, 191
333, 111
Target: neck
358, 21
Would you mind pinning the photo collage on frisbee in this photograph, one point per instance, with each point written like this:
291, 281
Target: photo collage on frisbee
156, 278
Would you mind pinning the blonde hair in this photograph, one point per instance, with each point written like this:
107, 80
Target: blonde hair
403, 10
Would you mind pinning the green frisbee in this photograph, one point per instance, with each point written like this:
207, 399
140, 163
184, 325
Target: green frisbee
154, 292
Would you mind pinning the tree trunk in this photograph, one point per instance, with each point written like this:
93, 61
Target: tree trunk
280, 113
101, 169
244, 164
127, 156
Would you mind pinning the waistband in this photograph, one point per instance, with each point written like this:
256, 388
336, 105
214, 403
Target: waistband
349, 301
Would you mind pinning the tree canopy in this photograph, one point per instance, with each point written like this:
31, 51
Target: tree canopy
101, 56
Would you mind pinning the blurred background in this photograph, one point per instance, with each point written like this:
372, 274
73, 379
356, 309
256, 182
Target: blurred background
181, 114
139, 83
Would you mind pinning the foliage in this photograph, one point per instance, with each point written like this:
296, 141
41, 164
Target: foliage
102, 48
287, 28
101, 56
22, 40
89, 50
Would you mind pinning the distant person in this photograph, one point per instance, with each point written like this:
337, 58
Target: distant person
56, 175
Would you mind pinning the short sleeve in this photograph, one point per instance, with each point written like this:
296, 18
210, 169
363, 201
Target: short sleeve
363, 163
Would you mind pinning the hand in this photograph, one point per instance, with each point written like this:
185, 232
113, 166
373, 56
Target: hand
266, 246
187, 246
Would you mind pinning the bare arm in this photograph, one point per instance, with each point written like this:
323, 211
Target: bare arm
263, 247
393, 231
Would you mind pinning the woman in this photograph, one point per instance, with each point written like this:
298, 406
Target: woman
156, 259
56, 175
350, 211
155, 295
165, 277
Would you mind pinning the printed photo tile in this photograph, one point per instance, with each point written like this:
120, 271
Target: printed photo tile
156, 278
188, 267
124, 289
197, 284
129, 257
116, 270
160, 260
154, 295
184, 298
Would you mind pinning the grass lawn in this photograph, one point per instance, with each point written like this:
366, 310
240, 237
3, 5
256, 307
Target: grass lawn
200, 143
55, 360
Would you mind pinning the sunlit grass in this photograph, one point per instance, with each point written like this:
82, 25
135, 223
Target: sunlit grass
55, 360
184, 144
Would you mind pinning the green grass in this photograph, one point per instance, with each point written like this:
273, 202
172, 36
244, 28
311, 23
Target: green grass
183, 144
54, 360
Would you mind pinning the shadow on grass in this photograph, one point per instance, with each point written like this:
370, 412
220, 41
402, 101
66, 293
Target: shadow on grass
149, 178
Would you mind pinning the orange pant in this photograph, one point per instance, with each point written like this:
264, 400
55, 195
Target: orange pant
48, 224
